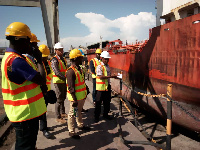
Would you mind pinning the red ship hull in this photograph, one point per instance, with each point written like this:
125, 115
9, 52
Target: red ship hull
171, 56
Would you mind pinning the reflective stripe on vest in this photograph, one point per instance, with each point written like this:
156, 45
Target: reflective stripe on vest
21, 101
102, 84
80, 87
62, 69
96, 63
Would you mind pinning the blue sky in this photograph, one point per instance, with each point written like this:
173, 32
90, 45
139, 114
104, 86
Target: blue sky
84, 21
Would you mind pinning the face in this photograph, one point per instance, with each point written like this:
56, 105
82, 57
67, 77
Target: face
79, 60
59, 52
105, 60
98, 56
25, 45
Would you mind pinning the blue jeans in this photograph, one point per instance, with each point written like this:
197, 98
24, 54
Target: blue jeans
26, 134
94, 90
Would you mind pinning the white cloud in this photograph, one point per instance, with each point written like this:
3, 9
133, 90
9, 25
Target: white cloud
130, 28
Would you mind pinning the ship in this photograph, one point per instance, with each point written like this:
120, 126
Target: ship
171, 55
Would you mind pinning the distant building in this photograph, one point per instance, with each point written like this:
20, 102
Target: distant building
2, 50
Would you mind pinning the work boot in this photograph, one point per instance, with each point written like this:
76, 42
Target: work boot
74, 136
84, 110
64, 115
107, 117
61, 120
84, 128
47, 134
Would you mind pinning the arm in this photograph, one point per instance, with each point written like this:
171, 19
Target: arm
22, 71
92, 68
71, 77
55, 68
100, 73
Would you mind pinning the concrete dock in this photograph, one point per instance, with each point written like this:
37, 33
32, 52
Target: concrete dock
103, 135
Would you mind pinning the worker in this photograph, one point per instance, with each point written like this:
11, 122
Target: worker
103, 87
76, 93
22, 95
93, 65
59, 67
43, 120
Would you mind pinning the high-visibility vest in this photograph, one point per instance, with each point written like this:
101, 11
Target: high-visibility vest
102, 84
48, 76
62, 69
96, 63
80, 87
21, 101
31, 63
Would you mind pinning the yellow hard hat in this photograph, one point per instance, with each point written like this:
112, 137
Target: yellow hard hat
44, 50
75, 53
34, 38
18, 29
98, 51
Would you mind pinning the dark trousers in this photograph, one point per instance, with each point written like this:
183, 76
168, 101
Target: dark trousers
104, 96
94, 89
43, 122
26, 134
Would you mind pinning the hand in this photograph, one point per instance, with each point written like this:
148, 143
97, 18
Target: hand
114, 77
36, 53
75, 104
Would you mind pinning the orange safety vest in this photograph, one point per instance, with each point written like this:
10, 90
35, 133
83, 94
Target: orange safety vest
96, 63
102, 84
21, 101
80, 87
62, 69
48, 76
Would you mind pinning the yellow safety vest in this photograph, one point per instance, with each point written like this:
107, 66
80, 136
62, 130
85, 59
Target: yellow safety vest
96, 63
21, 101
62, 69
48, 76
80, 87
102, 84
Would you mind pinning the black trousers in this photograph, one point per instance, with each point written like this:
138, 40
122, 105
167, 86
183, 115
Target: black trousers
104, 96
26, 134
94, 89
43, 121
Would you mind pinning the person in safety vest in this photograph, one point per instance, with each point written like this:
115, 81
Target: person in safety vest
59, 67
93, 65
76, 93
103, 87
22, 95
46, 63
84, 69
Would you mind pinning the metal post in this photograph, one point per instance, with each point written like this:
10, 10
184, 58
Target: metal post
120, 102
169, 117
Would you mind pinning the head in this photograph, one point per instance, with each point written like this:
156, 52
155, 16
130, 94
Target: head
98, 53
105, 57
19, 35
59, 49
45, 51
76, 57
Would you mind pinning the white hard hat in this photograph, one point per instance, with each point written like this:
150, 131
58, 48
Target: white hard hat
58, 46
105, 54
